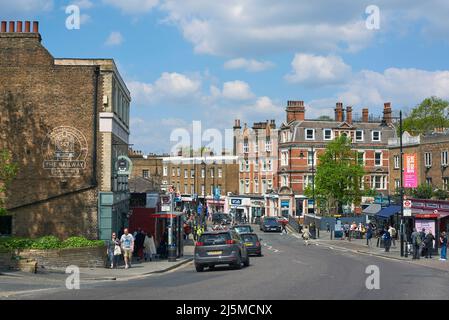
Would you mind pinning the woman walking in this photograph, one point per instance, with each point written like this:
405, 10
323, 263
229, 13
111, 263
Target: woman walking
443, 243
114, 251
306, 236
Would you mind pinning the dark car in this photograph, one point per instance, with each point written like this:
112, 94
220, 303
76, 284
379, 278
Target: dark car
252, 243
221, 218
220, 247
270, 224
242, 228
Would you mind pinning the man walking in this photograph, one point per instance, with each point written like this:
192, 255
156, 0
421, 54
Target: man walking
422, 248
392, 232
127, 242
387, 240
306, 236
429, 244
369, 235
416, 242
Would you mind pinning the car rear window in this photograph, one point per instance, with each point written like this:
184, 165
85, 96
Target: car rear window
249, 238
243, 229
214, 239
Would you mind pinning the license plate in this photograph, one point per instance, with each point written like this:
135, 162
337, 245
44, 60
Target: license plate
248, 244
214, 253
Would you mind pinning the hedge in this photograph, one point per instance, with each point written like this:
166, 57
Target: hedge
48, 242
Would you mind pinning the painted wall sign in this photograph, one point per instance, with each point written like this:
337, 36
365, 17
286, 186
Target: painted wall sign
65, 151
124, 166
410, 171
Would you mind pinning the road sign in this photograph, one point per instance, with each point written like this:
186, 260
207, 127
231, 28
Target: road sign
165, 207
407, 204
171, 190
407, 212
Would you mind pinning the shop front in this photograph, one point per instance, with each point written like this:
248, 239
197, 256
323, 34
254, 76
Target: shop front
216, 205
257, 209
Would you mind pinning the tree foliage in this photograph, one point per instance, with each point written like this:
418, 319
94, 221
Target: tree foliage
423, 191
432, 113
338, 175
8, 170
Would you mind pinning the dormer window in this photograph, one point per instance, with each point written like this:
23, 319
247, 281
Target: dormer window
327, 134
375, 136
359, 135
310, 134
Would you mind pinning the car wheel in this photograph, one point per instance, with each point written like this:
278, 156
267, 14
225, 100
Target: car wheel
246, 263
199, 268
238, 264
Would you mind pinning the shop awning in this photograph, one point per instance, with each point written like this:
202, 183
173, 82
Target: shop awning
388, 212
372, 209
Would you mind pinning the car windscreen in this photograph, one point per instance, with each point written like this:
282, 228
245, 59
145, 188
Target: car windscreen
249, 237
214, 239
243, 229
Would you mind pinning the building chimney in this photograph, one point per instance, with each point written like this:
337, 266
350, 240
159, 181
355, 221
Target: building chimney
387, 113
27, 26
3, 29
365, 115
295, 111
237, 124
349, 114
19, 26
12, 26
35, 27
339, 112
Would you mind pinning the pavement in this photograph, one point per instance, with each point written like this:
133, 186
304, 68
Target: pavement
359, 246
288, 270
17, 282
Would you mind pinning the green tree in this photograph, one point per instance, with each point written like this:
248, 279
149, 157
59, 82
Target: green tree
338, 176
8, 170
441, 194
370, 193
432, 113
325, 118
424, 191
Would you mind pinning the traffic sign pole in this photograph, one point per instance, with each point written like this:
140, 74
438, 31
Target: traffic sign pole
171, 245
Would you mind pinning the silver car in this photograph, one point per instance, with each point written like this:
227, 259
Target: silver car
218, 248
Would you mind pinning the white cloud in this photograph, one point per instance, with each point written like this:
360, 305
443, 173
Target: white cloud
133, 6
264, 105
318, 70
403, 87
237, 90
249, 65
114, 39
83, 4
9, 7
170, 86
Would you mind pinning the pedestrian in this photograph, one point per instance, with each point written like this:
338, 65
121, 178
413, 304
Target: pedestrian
306, 235
114, 251
387, 240
429, 244
127, 243
422, 248
346, 230
443, 244
369, 235
139, 241
393, 233
416, 243
328, 227
284, 229
149, 247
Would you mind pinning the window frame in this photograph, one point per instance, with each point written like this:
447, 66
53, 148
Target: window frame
305, 134
372, 136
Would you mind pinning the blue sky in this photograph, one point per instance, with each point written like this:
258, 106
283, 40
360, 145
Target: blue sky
214, 62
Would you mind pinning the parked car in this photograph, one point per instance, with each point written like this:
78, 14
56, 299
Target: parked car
242, 228
252, 243
221, 218
218, 248
270, 224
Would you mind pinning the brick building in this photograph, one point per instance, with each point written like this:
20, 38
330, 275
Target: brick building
66, 122
432, 160
146, 175
256, 148
298, 136
202, 176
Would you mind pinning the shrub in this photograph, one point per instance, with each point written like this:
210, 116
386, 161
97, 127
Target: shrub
80, 242
48, 242
15, 243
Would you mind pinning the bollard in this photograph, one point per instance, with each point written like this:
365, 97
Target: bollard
332, 233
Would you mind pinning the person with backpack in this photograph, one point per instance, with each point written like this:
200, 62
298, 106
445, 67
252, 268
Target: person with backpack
393, 233
386, 237
443, 244
416, 242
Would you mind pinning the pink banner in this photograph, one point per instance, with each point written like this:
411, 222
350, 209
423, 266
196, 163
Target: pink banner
410, 171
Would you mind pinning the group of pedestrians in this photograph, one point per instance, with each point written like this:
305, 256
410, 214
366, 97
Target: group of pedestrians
140, 244
423, 244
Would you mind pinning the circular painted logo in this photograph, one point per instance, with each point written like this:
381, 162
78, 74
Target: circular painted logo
65, 152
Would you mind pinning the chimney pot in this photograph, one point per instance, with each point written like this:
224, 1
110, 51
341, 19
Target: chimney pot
27, 26
12, 26
3, 26
35, 27
19, 26
339, 112
365, 115
349, 114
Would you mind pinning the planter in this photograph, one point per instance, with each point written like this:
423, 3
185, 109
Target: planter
87, 257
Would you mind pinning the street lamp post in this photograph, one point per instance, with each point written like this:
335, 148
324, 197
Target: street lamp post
402, 184
301, 155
